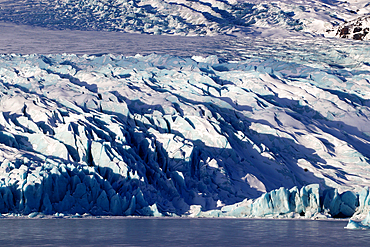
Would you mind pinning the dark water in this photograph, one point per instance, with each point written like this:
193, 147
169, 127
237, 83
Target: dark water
178, 232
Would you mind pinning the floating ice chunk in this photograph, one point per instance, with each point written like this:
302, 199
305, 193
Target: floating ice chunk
364, 224
33, 214
354, 225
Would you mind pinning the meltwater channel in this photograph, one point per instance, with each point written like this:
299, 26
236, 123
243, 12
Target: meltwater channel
177, 232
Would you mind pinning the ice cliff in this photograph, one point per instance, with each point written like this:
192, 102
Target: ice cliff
165, 135
307, 202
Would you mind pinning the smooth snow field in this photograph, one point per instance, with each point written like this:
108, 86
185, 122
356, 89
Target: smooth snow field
220, 109
178, 232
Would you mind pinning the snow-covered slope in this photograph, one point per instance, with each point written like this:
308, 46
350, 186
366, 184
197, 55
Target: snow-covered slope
154, 16
186, 17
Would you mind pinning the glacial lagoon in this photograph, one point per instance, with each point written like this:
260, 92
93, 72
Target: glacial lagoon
178, 232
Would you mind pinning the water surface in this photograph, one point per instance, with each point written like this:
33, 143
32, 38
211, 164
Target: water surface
178, 232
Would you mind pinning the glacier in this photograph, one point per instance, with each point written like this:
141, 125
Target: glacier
264, 114
189, 17
166, 135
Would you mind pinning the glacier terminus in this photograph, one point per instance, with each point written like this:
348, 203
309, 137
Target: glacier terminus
259, 109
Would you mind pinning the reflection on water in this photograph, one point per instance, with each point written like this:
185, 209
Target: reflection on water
178, 232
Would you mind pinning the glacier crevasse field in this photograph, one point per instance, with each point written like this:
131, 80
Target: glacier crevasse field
268, 119
157, 134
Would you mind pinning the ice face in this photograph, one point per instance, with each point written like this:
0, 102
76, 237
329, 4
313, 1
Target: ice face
308, 202
158, 134
294, 202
